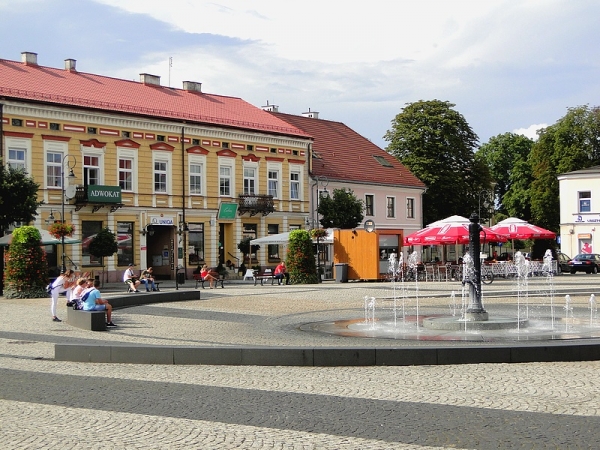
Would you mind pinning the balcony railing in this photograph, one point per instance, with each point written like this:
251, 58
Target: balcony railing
255, 204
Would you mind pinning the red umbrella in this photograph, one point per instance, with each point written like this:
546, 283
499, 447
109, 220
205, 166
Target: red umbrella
514, 228
450, 233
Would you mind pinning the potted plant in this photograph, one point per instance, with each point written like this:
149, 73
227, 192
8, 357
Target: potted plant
318, 233
61, 229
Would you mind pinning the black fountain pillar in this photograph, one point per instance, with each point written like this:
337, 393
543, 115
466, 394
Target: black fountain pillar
475, 311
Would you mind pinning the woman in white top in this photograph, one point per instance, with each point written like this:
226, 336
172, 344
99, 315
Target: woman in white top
62, 284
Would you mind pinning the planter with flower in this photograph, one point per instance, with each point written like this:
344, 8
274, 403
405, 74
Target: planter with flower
60, 230
318, 233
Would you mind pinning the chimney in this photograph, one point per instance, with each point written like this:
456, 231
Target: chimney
271, 108
311, 114
70, 65
192, 86
146, 78
29, 58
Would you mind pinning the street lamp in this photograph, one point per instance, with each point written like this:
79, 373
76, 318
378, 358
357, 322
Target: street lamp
322, 181
487, 195
70, 162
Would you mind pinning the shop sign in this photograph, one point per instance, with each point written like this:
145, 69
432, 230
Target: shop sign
227, 211
160, 220
104, 194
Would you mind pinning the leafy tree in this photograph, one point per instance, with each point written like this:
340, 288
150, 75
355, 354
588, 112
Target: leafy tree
301, 258
572, 143
506, 155
436, 144
18, 197
104, 244
343, 210
26, 265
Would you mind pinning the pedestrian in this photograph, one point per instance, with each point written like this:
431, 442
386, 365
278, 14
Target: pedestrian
62, 284
95, 302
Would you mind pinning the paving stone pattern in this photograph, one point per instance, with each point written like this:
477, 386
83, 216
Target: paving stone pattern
63, 405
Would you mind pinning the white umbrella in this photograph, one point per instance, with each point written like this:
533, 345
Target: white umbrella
283, 239
46, 239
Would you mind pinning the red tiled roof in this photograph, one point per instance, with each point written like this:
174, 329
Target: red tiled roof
345, 155
73, 88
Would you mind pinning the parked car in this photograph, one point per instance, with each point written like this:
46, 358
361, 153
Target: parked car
585, 262
563, 263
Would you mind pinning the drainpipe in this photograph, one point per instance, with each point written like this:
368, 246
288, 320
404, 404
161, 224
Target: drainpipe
2, 229
184, 243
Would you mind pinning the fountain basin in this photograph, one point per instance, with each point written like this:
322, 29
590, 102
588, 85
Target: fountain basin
456, 324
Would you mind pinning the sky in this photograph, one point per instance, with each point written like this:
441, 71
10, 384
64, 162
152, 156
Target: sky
508, 66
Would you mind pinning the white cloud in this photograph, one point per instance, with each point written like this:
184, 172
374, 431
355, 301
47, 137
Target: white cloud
531, 130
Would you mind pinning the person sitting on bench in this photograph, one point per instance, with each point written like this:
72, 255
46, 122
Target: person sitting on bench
95, 302
207, 274
148, 279
130, 279
281, 272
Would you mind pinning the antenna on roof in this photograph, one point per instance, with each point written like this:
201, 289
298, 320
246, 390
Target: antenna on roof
170, 65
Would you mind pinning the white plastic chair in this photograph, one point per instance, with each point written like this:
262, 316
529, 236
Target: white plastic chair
249, 275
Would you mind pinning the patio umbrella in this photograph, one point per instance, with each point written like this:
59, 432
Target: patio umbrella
47, 239
515, 228
450, 233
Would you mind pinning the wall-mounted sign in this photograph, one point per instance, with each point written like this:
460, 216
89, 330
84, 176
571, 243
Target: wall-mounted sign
227, 211
158, 220
104, 194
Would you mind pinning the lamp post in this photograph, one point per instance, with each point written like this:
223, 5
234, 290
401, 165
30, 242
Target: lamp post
322, 181
487, 195
70, 162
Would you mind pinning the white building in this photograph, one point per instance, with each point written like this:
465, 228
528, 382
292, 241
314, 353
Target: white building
579, 211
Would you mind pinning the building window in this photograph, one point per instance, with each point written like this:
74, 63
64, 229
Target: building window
273, 183
160, 138
196, 244
196, 179
92, 130
54, 169
225, 180
295, 185
125, 134
250, 147
91, 167
249, 181
89, 229
126, 174
410, 208
54, 126
124, 243
391, 207
273, 249
17, 122
160, 177
384, 162
369, 205
195, 141
16, 158
585, 201
225, 145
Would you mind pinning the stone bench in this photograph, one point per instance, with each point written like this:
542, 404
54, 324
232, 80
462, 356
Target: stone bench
96, 320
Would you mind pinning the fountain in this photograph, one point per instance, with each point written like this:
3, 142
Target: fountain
469, 320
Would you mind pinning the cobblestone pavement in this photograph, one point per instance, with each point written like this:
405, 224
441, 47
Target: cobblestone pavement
63, 405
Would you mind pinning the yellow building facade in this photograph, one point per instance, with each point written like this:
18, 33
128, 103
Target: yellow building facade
177, 194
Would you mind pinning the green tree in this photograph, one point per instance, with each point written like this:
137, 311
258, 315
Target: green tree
437, 145
26, 272
342, 210
502, 154
300, 259
18, 197
104, 244
572, 143
247, 249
